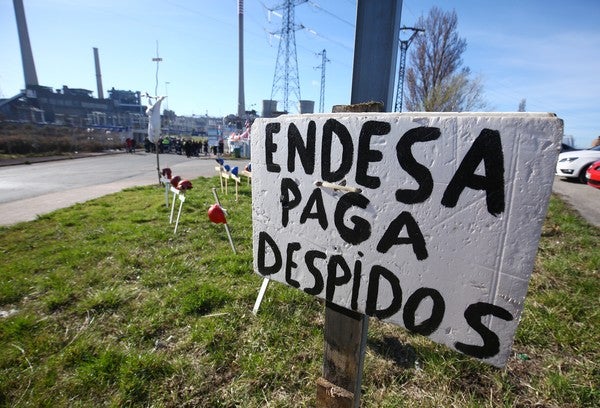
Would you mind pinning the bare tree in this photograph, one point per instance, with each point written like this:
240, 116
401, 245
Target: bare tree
522, 105
435, 79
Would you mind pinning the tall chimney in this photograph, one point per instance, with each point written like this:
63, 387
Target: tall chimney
98, 74
241, 102
26, 53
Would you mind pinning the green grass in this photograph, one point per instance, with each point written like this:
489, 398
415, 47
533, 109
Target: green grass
110, 308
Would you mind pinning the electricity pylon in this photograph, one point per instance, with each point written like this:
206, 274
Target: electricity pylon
324, 60
403, 49
286, 80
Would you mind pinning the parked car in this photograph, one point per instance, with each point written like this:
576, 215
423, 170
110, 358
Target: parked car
593, 175
567, 148
575, 163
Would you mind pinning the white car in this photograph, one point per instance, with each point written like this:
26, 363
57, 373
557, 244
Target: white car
574, 164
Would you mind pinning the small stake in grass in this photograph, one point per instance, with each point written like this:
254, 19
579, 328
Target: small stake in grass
167, 183
166, 180
179, 191
174, 182
261, 294
216, 214
219, 169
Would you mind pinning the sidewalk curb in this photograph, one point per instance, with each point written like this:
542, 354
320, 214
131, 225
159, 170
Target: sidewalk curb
32, 160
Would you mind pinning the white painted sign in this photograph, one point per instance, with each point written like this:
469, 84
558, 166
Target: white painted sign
428, 221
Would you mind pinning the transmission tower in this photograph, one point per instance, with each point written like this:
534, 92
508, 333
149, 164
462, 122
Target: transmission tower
324, 60
403, 49
286, 80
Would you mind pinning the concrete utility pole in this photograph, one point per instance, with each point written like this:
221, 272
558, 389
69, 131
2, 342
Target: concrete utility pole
404, 44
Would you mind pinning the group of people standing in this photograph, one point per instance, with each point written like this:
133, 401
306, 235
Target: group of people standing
189, 147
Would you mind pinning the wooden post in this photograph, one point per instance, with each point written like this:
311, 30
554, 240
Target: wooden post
345, 332
345, 336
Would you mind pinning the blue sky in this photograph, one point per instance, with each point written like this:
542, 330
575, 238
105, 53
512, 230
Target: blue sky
544, 51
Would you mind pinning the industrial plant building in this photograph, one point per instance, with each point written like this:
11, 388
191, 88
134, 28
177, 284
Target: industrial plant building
121, 111
72, 107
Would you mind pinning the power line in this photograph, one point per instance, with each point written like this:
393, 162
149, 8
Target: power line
331, 40
318, 7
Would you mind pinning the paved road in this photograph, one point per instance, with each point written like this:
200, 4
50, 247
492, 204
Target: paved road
27, 191
585, 199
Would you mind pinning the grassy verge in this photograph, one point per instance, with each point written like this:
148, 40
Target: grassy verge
104, 306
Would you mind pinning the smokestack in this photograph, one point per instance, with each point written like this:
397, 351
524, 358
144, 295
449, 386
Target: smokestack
26, 53
241, 102
98, 74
